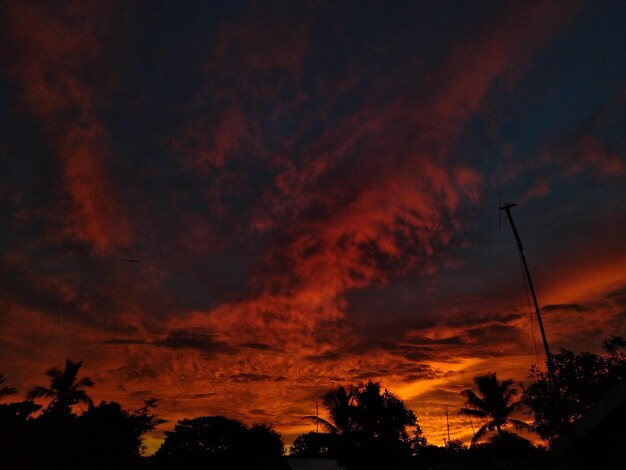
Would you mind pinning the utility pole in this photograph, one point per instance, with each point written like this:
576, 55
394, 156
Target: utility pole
317, 415
448, 424
507, 209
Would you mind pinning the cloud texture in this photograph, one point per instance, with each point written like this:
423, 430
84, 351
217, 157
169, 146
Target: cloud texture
311, 193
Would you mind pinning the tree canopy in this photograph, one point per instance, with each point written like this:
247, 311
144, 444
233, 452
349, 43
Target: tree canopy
496, 402
580, 380
6, 391
65, 389
219, 442
371, 426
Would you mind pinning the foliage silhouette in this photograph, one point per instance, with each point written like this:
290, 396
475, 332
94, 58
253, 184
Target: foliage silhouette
65, 390
101, 437
579, 381
339, 404
6, 391
371, 426
14, 430
507, 445
315, 445
495, 402
113, 433
219, 442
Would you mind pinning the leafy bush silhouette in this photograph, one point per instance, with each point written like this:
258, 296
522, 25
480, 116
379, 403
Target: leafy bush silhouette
580, 380
315, 445
219, 442
370, 425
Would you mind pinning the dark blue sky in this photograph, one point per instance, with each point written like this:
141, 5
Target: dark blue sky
312, 190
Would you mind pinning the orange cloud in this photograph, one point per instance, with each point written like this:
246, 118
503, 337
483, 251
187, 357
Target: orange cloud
273, 226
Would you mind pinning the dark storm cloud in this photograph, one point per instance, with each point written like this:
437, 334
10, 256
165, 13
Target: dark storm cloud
202, 395
128, 373
250, 377
556, 307
123, 341
327, 356
258, 346
197, 340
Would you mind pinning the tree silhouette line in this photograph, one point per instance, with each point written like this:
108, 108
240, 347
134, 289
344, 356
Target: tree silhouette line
367, 427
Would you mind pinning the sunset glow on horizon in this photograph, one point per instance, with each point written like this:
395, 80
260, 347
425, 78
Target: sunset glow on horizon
235, 207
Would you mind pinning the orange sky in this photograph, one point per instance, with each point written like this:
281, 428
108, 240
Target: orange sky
312, 193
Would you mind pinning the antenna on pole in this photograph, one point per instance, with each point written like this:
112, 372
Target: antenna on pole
448, 424
500, 211
507, 208
317, 415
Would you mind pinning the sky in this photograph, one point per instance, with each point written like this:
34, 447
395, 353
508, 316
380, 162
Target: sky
237, 206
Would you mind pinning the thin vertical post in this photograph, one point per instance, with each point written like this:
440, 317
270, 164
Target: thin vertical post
448, 424
507, 209
317, 415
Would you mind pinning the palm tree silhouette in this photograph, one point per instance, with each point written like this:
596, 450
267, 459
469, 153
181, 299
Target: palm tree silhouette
340, 406
64, 389
5, 391
495, 403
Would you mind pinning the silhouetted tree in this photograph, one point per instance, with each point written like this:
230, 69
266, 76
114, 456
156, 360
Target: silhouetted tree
263, 442
455, 446
315, 445
109, 436
371, 425
65, 390
417, 441
507, 445
339, 404
104, 436
495, 402
15, 442
219, 442
580, 380
6, 391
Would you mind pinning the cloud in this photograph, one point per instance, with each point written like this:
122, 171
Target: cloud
309, 208
246, 377
58, 63
197, 340
557, 307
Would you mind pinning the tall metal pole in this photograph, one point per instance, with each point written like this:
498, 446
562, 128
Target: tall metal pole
448, 424
317, 415
507, 208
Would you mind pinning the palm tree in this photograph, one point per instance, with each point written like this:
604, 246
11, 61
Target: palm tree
5, 391
495, 402
64, 390
340, 406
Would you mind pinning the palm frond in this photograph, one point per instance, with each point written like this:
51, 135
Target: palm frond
480, 433
473, 412
40, 392
522, 425
54, 372
80, 396
6, 391
513, 407
85, 382
474, 400
509, 396
321, 421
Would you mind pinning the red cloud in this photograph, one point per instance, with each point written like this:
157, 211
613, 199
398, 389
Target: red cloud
370, 197
56, 61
